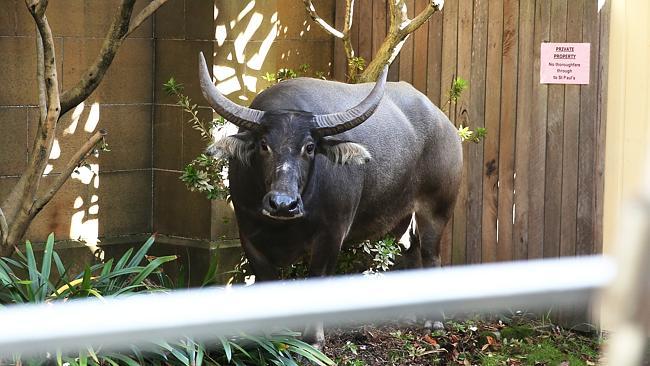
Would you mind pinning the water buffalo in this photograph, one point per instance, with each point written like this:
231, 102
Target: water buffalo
317, 164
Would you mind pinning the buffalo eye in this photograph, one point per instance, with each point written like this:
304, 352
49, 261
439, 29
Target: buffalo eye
263, 145
309, 148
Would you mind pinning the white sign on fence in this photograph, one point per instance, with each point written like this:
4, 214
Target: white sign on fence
565, 63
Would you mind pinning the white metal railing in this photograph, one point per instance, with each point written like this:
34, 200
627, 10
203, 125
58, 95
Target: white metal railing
212, 312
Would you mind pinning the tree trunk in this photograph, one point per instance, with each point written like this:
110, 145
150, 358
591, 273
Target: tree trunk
401, 27
23, 202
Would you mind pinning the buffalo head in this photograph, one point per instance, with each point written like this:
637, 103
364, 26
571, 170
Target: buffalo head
285, 142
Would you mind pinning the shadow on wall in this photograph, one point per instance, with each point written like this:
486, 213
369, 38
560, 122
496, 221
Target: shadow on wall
253, 38
238, 62
84, 222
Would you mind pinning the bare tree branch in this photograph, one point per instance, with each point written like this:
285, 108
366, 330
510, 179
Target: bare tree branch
48, 96
74, 162
37, 6
344, 35
415, 23
93, 76
40, 77
144, 14
349, 16
42, 90
400, 29
347, 40
4, 228
20, 200
314, 15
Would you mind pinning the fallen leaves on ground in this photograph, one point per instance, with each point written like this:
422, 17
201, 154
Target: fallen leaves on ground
465, 343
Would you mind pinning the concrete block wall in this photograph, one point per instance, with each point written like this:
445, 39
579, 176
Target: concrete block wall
134, 189
183, 28
114, 198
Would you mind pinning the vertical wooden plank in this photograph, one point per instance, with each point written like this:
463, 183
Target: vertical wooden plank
505, 248
570, 149
420, 53
378, 24
464, 60
588, 127
490, 161
449, 63
406, 54
554, 141
447, 72
434, 58
365, 29
537, 153
339, 68
354, 30
553, 191
603, 56
524, 123
477, 119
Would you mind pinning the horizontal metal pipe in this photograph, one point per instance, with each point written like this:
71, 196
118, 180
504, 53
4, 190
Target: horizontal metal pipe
207, 313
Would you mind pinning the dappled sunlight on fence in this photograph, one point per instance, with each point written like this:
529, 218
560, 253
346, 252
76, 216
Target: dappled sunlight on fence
239, 54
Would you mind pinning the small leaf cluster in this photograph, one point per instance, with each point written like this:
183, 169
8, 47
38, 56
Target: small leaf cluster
207, 175
369, 257
458, 86
174, 88
283, 74
474, 136
383, 252
356, 67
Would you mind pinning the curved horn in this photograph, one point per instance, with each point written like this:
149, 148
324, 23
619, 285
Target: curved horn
335, 123
241, 116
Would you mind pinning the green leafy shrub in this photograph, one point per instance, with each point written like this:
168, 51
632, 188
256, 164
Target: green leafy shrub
131, 273
135, 273
369, 257
204, 174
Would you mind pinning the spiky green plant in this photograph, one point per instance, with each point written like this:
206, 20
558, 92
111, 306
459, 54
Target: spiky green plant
23, 281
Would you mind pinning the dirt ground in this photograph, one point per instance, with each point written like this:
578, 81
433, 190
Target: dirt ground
469, 342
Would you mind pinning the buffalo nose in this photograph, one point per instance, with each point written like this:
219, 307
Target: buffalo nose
282, 202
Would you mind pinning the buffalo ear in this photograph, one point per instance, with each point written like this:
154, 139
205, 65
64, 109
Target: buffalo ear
344, 152
238, 147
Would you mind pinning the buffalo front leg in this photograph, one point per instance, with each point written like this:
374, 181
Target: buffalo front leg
322, 263
263, 269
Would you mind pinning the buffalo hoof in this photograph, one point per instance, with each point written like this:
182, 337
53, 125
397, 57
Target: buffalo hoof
314, 335
434, 325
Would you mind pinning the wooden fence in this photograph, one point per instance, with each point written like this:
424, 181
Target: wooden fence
534, 187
